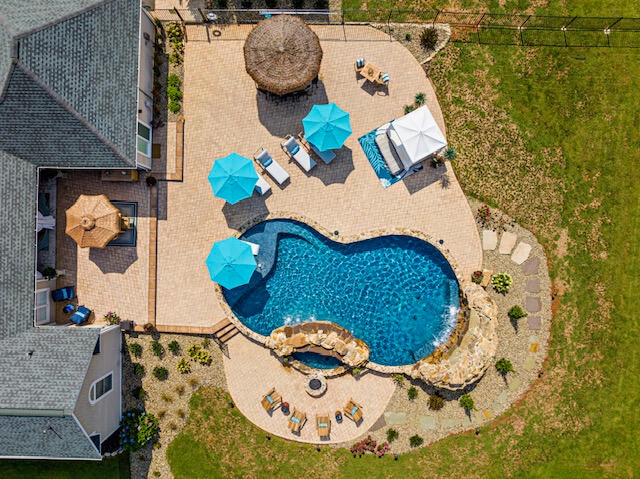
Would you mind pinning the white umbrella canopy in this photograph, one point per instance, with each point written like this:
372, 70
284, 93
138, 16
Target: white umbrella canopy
419, 135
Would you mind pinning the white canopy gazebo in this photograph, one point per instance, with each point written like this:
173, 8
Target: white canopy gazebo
416, 136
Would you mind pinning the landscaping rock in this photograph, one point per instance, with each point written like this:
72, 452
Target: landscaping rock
521, 253
532, 304
534, 322
489, 240
531, 266
532, 285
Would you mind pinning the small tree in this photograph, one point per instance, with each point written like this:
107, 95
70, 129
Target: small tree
504, 366
466, 402
416, 441
429, 38
392, 435
450, 153
412, 393
516, 313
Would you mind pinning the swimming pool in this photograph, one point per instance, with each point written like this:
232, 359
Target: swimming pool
396, 293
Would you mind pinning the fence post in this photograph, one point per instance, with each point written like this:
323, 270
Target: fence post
564, 31
435, 19
179, 16
521, 27
478, 28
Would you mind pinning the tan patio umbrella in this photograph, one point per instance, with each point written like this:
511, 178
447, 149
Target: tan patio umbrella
282, 54
93, 221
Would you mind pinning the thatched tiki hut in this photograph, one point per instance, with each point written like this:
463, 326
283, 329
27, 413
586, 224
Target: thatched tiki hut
282, 54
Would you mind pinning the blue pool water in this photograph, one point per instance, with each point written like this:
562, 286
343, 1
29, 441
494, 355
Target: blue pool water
318, 361
396, 293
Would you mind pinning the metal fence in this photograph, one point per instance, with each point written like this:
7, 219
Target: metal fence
483, 28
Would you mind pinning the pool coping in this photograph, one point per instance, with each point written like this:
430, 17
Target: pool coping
441, 352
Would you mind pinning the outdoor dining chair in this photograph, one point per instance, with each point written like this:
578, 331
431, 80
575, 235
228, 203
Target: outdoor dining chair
297, 420
271, 400
353, 411
323, 424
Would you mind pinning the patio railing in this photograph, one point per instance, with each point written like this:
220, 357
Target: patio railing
482, 28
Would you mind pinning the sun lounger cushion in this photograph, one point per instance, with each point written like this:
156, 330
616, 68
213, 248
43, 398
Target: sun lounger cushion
322, 424
262, 186
389, 155
63, 294
269, 399
353, 411
267, 161
294, 149
295, 419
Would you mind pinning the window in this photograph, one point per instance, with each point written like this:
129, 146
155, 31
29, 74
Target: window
100, 388
144, 139
42, 306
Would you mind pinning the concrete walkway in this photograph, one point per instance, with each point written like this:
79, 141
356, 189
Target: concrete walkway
252, 370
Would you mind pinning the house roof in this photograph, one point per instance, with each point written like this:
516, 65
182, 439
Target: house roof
68, 99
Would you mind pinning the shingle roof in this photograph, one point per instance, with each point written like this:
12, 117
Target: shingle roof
44, 437
52, 375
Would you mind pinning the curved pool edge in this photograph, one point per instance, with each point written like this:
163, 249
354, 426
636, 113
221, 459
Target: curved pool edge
475, 352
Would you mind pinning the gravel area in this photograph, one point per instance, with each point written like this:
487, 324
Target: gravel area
169, 399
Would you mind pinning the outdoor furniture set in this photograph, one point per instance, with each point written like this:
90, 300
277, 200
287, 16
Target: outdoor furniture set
273, 399
371, 72
81, 314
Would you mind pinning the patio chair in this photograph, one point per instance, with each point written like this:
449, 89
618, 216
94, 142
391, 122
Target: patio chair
271, 400
291, 146
383, 79
326, 156
297, 420
81, 315
262, 187
360, 63
63, 294
276, 171
353, 411
323, 424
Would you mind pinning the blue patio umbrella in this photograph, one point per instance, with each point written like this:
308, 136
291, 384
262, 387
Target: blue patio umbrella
233, 178
327, 126
231, 263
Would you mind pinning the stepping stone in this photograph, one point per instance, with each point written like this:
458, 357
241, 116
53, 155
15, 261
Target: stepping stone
535, 324
532, 285
521, 253
531, 266
450, 422
533, 305
489, 240
395, 418
379, 424
497, 407
427, 422
502, 397
507, 242
529, 362
514, 383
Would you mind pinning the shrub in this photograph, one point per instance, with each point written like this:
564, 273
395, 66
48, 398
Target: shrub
477, 276
516, 313
398, 379
466, 401
450, 153
173, 426
223, 4
429, 38
192, 351
501, 282
408, 109
135, 349
149, 328
369, 445
194, 383
138, 393
157, 348
49, 273
162, 413
246, 4
484, 213
321, 5
111, 318
166, 398
415, 441
174, 107
174, 346
436, 402
174, 80
183, 366
174, 32
419, 99
412, 393
138, 369
271, 3
160, 373
504, 366
181, 413
174, 93
137, 428
203, 357
392, 435
180, 389
206, 342
175, 58
298, 4
407, 37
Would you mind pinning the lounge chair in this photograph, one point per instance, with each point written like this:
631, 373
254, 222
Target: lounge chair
297, 420
81, 315
353, 411
255, 248
360, 63
293, 148
276, 171
271, 400
323, 424
383, 79
63, 294
262, 187
326, 156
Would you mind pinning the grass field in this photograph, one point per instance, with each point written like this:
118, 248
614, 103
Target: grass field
551, 137
111, 468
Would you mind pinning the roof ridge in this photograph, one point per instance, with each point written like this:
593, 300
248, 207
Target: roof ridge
64, 18
5, 23
62, 102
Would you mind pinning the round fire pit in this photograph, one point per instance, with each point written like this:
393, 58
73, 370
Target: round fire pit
316, 385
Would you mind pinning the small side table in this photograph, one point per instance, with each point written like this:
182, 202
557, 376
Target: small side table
285, 408
338, 416
68, 309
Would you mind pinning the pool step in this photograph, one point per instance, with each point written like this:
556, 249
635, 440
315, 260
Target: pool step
224, 330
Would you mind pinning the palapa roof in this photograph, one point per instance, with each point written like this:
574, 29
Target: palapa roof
282, 54
93, 221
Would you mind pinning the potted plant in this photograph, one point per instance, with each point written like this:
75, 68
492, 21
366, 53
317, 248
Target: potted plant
111, 318
49, 273
477, 276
